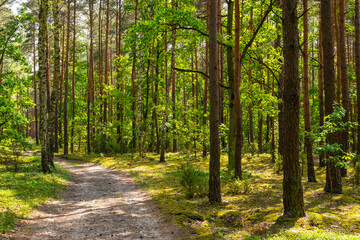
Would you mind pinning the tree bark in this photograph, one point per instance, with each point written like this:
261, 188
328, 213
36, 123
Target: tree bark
292, 187
333, 177
214, 168
43, 68
307, 119
237, 83
321, 92
231, 92
35, 94
56, 83
66, 78
73, 81
344, 80
357, 67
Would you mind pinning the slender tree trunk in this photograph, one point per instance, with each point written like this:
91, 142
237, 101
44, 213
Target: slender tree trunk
292, 188
43, 65
344, 80
106, 73
35, 94
237, 83
61, 87
214, 168
73, 81
133, 77
173, 77
56, 84
357, 67
66, 78
338, 56
307, 119
91, 76
321, 92
251, 114
333, 177
231, 92
163, 126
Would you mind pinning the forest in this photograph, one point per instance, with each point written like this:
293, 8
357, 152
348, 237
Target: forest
238, 119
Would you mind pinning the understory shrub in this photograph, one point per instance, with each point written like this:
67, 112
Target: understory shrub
238, 186
193, 181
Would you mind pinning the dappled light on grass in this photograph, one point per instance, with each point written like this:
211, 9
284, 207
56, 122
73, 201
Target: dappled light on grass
254, 214
22, 192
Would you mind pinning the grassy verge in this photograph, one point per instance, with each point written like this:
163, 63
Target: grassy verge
252, 214
23, 191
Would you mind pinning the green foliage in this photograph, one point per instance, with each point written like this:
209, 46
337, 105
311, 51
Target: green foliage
238, 186
23, 191
332, 124
193, 181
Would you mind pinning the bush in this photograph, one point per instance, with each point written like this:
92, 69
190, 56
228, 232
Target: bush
239, 187
193, 181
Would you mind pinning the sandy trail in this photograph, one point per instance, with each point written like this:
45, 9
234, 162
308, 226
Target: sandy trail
99, 203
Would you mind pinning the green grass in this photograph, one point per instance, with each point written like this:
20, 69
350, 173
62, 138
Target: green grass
23, 191
256, 214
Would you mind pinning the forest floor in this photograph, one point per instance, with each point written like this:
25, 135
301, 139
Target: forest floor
252, 214
99, 203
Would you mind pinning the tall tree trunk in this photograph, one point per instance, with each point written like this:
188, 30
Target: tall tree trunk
344, 80
73, 81
43, 65
56, 83
66, 78
106, 58
338, 56
163, 126
214, 168
357, 67
307, 119
321, 92
231, 92
237, 83
133, 77
292, 188
333, 177
251, 114
118, 79
59, 140
173, 77
91, 76
35, 93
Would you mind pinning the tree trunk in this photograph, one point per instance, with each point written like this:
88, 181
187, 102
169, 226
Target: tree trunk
35, 94
106, 58
231, 92
91, 76
292, 188
357, 67
163, 126
43, 65
307, 119
321, 92
237, 83
73, 81
173, 77
344, 80
56, 83
66, 78
333, 177
214, 168
133, 77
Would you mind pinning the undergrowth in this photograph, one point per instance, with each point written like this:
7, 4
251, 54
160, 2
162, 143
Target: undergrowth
23, 191
252, 211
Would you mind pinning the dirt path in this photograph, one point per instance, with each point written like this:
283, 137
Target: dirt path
99, 203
